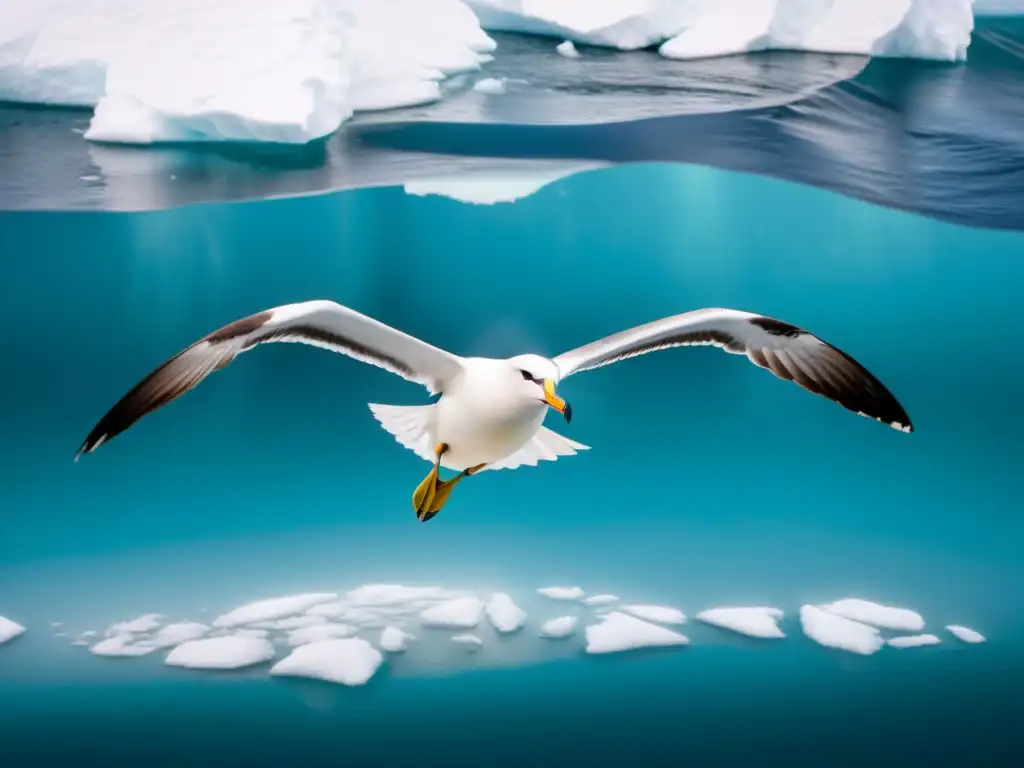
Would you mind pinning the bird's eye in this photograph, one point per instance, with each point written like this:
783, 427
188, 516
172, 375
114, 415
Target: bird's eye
527, 376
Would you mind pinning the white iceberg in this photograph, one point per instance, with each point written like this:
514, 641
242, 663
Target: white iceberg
876, 614
600, 599
470, 642
176, 634
556, 629
756, 621
487, 189
620, 632
462, 612
230, 652
316, 632
561, 593
504, 614
834, 631
121, 645
490, 85
9, 630
663, 614
145, 623
350, 661
271, 609
965, 634
394, 640
912, 641
567, 49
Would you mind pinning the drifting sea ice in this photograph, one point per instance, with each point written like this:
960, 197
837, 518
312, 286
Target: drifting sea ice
965, 634
462, 612
271, 609
837, 632
663, 614
230, 652
876, 614
561, 593
751, 621
912, 641
559, 628
350, 661
504, 614
394, 640
619, 632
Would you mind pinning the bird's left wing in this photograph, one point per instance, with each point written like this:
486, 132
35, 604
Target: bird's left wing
789, 352
322, 324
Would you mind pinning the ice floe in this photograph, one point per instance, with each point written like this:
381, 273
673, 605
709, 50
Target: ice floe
490, 85
835, 631
317, 632
621, 632
230, 652
556, 629
600, 599
462, 612
662, 614
754, 621
398, 595
258, 634
271, 609
9, 630
567, 49
121, 645
492, 188
562, 593
876, 614
145, 623
965, 634
912, 641
349, 661
504, 614
176, 634
471, 642
394, 640
291, 622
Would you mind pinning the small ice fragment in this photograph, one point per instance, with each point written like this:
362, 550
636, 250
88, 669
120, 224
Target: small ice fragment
876, 614
272, 608
561, 593
229, 652
463, 612
619, 632
601, 599
834, 631
316, 632
965, 634
145, 623
490, 85
120, 645
756, 621
394, 640
471, 642
504, 614
88, 633
567, 49
349, 661
659, 613
176, 634
913, 641
9, 630
558, 628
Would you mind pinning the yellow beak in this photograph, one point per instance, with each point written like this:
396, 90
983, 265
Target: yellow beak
555, 401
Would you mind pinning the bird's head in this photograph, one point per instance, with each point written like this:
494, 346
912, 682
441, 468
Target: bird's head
535, 378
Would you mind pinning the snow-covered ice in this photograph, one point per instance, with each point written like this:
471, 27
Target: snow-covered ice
876, 614
834, 631
504, 614
558, 628
291, 622
230, 652
9, 630
663, 614
470, 642
121, 645
601, 599
561, 593
394, 640
462, 612
754, 621
317, 632
349, 661
621, 632
965, 634
145, 623
397, 595
490, 85
259, 634
912, 641
176, 634
272, 609
567, 49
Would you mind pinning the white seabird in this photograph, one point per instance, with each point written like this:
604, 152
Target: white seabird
490, 411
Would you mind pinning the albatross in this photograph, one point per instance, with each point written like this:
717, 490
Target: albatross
490, 411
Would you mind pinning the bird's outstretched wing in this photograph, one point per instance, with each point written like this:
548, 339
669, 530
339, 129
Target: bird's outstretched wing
319, 323
787, 351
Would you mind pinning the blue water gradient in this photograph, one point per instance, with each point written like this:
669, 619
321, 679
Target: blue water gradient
710, 481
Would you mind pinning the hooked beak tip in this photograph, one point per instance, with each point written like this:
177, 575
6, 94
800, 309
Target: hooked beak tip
567, 413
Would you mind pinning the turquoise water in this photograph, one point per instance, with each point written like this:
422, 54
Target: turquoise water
710, 481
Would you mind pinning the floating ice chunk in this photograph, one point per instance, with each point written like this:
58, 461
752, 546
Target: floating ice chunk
176, 634
145, 623
464, 612
567, 49
272, 608
620, 632
659, 613
291, 622
558, 628
965, 634
258, 634
397, 595
332, 610
601, 599
491, 188
9, 630
471, 642
350, 661
561, 593
834, 631
876, 614
317, 632
490, 85
751, 621
394, 640
230, 652
121, 645
913, 641
504, 614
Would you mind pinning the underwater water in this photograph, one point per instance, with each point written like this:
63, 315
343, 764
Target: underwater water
709, 482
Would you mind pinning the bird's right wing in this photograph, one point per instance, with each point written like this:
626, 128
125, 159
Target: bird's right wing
319, 323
